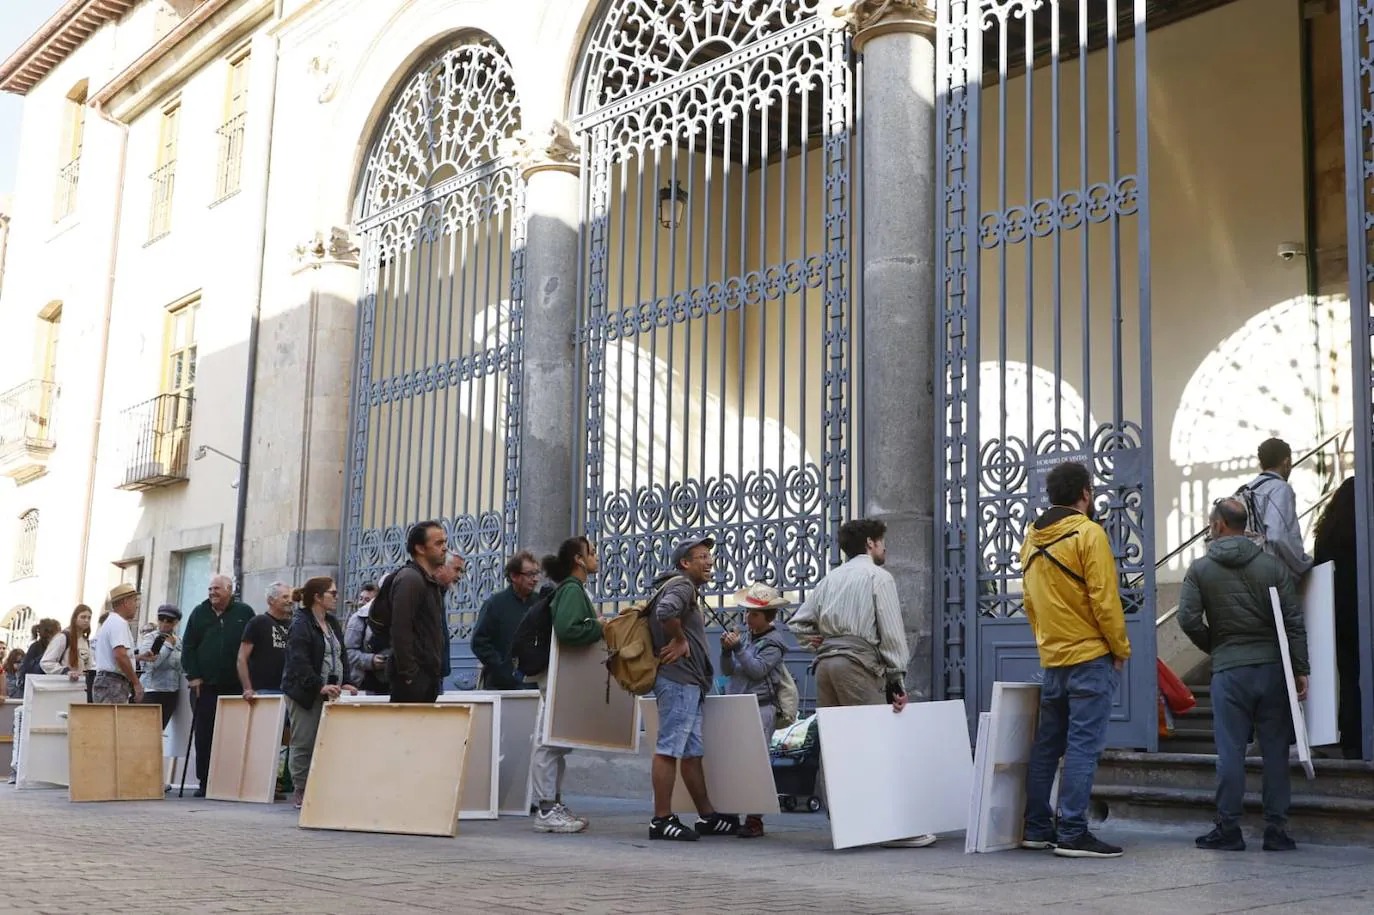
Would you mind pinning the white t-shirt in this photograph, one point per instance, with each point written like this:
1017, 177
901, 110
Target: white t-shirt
113, 633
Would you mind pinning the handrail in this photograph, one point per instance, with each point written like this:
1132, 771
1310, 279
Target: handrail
1321, 500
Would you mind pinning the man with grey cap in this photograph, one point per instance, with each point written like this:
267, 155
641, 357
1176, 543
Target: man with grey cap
159, 652
678, 625
114, 643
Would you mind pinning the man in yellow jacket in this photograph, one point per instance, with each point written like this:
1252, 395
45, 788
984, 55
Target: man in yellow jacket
1074, 609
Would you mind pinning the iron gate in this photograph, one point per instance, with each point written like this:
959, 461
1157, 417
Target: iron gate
435, 425
715, 331
1044, 318
1357, 45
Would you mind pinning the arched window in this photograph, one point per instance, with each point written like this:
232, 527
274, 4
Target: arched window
69, 152
435, 427
25, 545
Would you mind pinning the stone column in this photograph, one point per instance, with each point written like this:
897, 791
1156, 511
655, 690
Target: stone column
548, 161
897, 114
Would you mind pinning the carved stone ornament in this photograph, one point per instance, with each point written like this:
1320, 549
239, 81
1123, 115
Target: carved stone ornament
324, 70
551, 147
337, 248
871, 18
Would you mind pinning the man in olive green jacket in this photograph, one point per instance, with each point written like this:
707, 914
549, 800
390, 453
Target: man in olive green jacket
1226, 610
209, 657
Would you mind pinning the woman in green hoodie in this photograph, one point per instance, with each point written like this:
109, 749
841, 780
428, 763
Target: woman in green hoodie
574, 623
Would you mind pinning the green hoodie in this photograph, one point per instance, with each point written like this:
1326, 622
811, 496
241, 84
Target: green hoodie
574, 620
1226, 610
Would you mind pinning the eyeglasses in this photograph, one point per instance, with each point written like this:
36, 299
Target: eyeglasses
528, 573
333, 592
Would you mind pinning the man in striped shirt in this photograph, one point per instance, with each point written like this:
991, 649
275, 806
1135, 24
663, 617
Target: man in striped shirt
853, 621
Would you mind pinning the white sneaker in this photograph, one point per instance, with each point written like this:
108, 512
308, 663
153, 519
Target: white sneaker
558, 819
913, 842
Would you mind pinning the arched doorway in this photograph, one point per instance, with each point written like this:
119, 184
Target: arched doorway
716, 326
434, 419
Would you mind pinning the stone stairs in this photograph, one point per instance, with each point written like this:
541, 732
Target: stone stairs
1193, 729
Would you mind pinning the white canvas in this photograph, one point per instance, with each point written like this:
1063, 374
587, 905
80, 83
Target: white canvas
1011, 735
739, 774
585, 711
519, 714
1294, 706
1323, 686
891, 776
43, 761
975, 798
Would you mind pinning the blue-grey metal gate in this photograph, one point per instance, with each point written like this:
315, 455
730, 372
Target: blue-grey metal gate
715, 332
1044, 318
1357, 45
435, 425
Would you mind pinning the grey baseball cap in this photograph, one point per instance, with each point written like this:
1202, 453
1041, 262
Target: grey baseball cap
686, 546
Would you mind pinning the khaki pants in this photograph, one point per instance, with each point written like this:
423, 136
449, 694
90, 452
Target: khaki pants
305, 724
547, 763
842, 681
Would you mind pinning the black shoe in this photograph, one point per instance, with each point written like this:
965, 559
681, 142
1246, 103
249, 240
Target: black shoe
671, 828
1086, 846
200, 792
1277, 839
718, 824
1222, 840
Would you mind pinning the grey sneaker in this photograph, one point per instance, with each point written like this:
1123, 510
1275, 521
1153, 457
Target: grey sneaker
564, 807
558, 819
298, 798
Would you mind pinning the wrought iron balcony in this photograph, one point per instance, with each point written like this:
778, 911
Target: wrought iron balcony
160, 210
26, 429
230, 167
155, 437
67, 178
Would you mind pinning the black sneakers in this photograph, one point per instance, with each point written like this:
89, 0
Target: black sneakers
1276, 839
671, 829
718, 824
1223, 840
1086, 846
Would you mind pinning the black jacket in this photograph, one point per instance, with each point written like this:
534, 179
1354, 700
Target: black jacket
495, 634
300, 677
418, 642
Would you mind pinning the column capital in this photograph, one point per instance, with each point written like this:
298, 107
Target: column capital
541, 149
340, 247
873, 18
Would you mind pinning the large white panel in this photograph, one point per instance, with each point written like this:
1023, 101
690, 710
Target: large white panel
1323, 686
1011, 735
739, 774
43, 761
891, 776
1294, 706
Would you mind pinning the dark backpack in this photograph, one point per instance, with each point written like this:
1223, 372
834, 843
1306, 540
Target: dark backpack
534, 637
378, 626
1254, 515
33, 664
375, 641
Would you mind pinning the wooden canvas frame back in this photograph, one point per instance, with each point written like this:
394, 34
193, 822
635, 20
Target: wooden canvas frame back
244, 761
409, 785
115, 752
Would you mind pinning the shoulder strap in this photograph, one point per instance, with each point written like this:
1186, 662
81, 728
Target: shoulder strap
1044, 551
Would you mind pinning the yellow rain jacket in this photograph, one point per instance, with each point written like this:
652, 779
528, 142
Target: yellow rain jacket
1071, 596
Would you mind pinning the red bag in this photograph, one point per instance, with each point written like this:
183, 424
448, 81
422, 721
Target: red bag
1175, 691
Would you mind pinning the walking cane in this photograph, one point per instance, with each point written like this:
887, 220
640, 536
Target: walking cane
186, 760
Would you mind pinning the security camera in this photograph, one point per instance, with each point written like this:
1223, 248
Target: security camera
1289, 250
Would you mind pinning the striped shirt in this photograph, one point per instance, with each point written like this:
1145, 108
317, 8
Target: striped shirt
858, 599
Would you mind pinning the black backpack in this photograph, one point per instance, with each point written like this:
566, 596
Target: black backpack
534, 637
378, 626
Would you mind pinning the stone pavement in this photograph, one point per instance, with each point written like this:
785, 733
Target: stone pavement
181, 856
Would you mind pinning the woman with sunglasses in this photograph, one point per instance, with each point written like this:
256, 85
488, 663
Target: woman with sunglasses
316, 671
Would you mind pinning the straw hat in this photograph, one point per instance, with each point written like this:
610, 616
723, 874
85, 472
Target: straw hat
760, 596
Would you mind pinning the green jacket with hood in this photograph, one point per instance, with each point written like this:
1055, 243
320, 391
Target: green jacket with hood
1226, 610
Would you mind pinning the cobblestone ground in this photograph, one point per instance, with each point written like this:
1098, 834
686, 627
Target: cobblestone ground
201, 856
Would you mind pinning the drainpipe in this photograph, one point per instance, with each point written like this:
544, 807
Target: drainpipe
259, 232
89, 504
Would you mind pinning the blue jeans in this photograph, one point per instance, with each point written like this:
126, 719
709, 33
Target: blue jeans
1075, 705
680, 707
1242, 697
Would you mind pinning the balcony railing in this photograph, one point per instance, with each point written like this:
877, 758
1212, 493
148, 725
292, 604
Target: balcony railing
67, 178
230, 166
160, 212
155, 437
26, 429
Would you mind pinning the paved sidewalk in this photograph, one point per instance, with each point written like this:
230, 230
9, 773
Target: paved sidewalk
201, 856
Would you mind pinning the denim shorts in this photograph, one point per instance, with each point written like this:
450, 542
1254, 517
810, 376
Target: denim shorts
679, 719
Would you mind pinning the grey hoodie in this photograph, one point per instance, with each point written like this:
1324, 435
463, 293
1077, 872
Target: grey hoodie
753, 666
1225, 607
